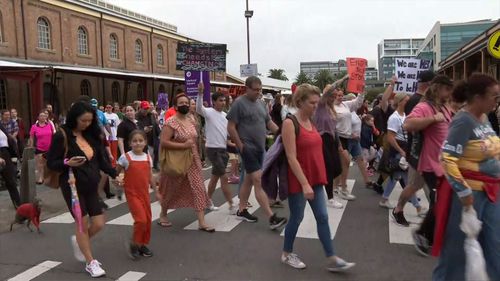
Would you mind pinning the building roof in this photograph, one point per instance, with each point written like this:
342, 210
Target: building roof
267, 83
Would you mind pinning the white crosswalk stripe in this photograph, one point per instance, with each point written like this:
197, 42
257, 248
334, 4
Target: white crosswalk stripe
308, 229
35, 271
132, 276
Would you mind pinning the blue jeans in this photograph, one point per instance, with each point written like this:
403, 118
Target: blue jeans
402, 177
297, 204
451, 265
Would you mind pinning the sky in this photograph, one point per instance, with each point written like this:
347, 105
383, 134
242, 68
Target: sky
285, 32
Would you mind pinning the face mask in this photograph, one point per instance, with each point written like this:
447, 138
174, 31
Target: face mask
183, 109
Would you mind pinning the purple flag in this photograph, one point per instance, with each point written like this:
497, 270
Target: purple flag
192, 79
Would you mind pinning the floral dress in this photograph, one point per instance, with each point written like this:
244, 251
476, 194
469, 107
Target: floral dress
184, 191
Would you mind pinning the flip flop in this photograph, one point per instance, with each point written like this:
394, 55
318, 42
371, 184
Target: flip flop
207, 229
164, 223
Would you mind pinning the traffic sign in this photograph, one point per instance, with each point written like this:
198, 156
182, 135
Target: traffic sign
248, 70
494, 45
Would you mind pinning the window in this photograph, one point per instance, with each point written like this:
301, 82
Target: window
140, 92
115, 91
1, 28
83, 41
3, 95
113, 46
85, 88
138, 50
159, 55
43, 34
161, 89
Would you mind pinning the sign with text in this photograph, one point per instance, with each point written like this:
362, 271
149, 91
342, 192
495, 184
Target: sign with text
356, 69
201, 57
247, 70
408, 71
193, 78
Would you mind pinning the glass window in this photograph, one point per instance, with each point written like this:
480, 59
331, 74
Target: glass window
43, 34
115, 91
159, 55
83, 41
3, 95
85, 88
138, 51
113, 46
140, 92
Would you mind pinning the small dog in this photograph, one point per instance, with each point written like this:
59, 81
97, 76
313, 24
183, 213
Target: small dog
29, 212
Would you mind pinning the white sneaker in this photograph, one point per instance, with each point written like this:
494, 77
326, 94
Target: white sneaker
94, 269
339, 265
346, 195
293, 261
386, 204
212, 207
335, 204
76, 250
233, 209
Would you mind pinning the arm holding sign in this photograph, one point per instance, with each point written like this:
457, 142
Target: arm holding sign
357, 103
340, 81
200, 109
384, 103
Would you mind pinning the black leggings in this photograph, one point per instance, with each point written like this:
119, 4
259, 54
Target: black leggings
332, 161
8, 174
428, 224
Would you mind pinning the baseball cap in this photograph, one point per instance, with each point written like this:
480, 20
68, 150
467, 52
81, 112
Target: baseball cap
443, 80
94, 103
426, 76
145, 104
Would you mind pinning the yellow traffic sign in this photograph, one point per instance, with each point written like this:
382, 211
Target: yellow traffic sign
494, 45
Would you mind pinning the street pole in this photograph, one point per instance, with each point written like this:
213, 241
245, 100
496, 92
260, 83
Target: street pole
248, 15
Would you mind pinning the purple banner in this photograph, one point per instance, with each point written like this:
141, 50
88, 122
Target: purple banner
192, 79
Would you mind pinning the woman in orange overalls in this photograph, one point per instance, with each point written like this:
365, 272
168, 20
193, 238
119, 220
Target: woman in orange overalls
138, 178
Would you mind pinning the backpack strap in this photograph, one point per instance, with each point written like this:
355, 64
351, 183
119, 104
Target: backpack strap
296, 124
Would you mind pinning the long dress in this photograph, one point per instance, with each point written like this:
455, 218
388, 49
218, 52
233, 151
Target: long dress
184, 191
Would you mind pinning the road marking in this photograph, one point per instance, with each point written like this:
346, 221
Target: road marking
308, 229
35, 271
207, 168
221, 220
401, 234
132, 276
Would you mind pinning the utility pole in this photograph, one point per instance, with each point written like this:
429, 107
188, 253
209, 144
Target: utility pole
248, 15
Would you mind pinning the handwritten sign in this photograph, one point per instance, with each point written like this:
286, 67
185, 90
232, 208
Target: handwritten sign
193, 78
201, 57
356, 69
408, 71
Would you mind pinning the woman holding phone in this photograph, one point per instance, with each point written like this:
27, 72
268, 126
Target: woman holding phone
81, 137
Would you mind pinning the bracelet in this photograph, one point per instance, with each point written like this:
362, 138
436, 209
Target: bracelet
65, 161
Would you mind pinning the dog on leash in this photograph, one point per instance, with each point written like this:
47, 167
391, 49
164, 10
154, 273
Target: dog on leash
29, 213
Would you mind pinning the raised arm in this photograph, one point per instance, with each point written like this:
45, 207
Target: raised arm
200, 109
357, 103
384, 103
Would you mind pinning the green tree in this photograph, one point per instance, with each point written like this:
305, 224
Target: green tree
277, 74
323, 78
372, 93
302, 78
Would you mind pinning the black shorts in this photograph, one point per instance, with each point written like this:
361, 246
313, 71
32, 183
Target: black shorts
253, 159
89, 200
219, 159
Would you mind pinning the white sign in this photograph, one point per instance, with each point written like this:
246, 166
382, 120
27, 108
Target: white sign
248, 70
408, 71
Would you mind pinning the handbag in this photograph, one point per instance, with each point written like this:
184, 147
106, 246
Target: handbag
51, 177
175, 162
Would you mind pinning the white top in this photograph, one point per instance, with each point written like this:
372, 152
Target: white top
215, 125
395, 124
344, 118
113, 122
123, 161
356, 124
4, 141
285, 110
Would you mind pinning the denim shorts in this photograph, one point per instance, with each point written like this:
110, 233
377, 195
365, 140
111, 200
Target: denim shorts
351, 145
219, 158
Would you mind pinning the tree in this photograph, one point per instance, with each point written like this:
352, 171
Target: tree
323, 78
372, 93
302, 78
277, 74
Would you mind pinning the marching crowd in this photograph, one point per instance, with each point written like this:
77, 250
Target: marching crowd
443, 139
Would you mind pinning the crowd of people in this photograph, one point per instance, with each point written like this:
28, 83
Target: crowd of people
439, 139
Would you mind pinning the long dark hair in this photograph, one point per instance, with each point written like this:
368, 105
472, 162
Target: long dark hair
93, 131
477, 84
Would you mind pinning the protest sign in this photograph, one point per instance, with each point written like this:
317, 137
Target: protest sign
201, 57
193, 78
356, 69
408, 71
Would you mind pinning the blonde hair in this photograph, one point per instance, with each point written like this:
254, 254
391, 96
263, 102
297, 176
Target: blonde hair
303, 92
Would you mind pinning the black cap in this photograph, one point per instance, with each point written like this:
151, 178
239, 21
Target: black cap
443, 80
426, 76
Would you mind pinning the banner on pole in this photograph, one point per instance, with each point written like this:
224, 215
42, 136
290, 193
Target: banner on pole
408, 71
201, 57
193, 78
356, 69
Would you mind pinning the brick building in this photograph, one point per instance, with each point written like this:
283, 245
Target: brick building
89, 47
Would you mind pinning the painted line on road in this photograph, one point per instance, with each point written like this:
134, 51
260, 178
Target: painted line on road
35, 271
207, 168
132, 276
308, 229
402, 234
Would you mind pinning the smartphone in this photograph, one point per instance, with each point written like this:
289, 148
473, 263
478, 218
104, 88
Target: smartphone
80, 158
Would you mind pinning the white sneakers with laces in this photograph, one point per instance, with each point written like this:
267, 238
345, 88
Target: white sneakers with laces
335, 204
94, 269
76, 250
293, 261
339, 265
212, 207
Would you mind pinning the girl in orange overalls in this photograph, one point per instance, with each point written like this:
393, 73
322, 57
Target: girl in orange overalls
138, 178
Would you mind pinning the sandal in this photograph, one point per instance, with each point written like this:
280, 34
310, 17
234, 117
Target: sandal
207, 229
164, 223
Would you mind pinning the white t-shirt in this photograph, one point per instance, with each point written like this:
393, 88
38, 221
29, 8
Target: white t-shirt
287, 110
123, 161
113, 122
215, 125
344, 118
4, 141
395, 124
356, 124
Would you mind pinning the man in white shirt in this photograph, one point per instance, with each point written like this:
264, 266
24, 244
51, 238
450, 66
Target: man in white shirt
216, 143
113, 122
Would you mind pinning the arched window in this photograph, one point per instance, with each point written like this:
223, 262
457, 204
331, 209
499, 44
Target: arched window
1, 29
83, 41
138, 51
159, 55
85, 88
43, 34
115, 92
140, 92
113, 46
3, 95
161, 89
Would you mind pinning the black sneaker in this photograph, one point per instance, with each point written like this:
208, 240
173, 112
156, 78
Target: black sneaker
145, 251
245, 215
421, 243
275, 221
400, 219
110, 195
378, 188
133, 250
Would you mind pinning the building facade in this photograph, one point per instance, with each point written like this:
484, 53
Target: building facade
311, 68
445, 39
371, 73
389, 49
